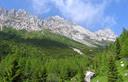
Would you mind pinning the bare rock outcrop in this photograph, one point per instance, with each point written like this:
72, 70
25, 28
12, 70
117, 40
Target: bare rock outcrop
88, 76
20, 19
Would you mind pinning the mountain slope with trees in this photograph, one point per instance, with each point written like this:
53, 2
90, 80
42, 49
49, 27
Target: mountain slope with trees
112, 63
40, 57
48, 57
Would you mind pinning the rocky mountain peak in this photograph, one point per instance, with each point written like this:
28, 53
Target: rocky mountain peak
76, 32
106, 30
106, 34
20, 19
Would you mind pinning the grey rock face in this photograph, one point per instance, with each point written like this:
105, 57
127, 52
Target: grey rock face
106, 34
88, 76
20, 19
59, 25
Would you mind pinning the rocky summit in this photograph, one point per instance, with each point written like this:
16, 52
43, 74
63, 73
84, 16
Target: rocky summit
20, 19
59, 25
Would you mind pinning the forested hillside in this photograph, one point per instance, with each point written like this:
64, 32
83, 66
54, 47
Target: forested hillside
40, 57
48, 57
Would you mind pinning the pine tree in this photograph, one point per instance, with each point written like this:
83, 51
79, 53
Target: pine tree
118, 49
112, 72
124, 43
125, 31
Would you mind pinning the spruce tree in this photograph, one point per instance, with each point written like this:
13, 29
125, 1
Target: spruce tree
124, 43
112, 71
118, 49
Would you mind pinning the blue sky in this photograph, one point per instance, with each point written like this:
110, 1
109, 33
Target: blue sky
91, 14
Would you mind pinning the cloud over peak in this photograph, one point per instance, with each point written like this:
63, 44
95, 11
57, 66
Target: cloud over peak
84, 12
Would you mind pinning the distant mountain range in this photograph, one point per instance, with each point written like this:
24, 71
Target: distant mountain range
20, 19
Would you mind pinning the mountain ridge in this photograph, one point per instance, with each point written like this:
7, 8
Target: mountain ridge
20, 19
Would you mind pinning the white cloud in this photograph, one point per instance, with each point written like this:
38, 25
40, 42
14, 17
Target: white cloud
80, 12
87, 12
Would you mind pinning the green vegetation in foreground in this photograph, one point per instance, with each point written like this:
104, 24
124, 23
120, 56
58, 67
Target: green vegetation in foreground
108, 63
47, 57
40, 57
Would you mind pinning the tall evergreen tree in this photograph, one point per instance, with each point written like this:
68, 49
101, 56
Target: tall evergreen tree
124, 43
112, 72
118, 49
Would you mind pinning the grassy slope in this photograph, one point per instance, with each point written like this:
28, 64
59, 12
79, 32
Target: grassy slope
50, 43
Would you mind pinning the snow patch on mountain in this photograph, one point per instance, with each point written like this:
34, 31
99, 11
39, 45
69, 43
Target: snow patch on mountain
78, 51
